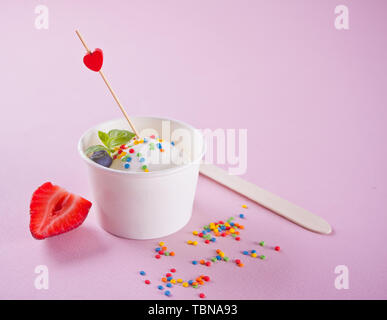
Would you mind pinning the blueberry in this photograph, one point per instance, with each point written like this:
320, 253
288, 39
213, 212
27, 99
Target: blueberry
102, 157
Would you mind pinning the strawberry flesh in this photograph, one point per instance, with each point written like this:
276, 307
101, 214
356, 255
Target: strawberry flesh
53, 211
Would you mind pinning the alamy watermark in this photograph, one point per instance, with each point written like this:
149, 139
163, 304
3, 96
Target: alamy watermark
41, 20
42, 279
220, 146
342, 280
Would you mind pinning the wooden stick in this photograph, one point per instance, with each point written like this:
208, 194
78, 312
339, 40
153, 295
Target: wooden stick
267, 199
110, 88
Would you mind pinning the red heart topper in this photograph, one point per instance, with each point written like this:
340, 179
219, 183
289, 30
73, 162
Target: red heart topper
93, 60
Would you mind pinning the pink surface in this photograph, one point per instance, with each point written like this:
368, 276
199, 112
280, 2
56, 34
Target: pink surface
312, 98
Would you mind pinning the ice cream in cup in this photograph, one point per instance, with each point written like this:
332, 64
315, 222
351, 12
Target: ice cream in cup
143, 187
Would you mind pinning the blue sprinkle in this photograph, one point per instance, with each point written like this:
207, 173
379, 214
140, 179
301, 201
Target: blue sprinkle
241, 216
158, 249
172, 143
160, 287
194, 262
253, 251
219, 257
213, 239
167, 293
127, 166
128, 159
169, 285
142, 273
223, 227
169, 278
159, 146
145, 140
232, 224
204, 232
245, 253
190, 282
142, 159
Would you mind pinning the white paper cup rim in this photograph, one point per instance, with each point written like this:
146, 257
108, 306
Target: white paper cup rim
144, 174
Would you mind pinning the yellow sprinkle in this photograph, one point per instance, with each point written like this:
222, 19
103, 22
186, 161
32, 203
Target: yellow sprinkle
227, 224
136, 142
254, 255
195, 233
244, 206
161, 244
179, 280
173, 281
232, 230
146, 170
185, 284
121, 155
195, 243
189, 242
221, 254
160, 140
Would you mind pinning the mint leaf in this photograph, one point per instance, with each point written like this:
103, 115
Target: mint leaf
93, 149
119, 137
104, 137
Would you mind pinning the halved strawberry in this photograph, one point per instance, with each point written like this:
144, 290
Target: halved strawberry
54, 211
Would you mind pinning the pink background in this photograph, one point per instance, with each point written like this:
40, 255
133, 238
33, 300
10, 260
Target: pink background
312, 98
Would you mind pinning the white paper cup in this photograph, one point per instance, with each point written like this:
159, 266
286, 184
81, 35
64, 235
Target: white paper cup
144, 205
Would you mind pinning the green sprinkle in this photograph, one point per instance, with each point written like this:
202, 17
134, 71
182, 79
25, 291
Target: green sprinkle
233, 235
138, 154
262, 243
231, 218
151, 146
144, 167
214, 259
166, 253
195, 286
262, 257
226, 258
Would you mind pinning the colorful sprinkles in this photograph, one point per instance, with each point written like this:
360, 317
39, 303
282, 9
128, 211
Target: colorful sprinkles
126, 151
209, 233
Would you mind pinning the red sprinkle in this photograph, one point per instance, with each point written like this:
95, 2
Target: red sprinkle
206, 278
201, 235
131, 150
161, 252
237, 238
157, 256
208, 263
277, 248
202, 295
122, 146
173, 270
147, 281
168, 275
119, 151
207, 241
223, 234
237, 261
115, 157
